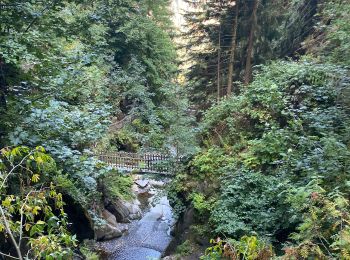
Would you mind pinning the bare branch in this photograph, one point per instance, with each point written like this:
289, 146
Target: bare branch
9, 232
14, 167
10, 256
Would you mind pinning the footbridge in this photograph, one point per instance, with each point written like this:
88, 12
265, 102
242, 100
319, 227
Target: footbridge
142, 162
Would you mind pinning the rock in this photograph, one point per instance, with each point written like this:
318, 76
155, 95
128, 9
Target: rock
135, 189
107, 232
143, 192
134, 209
188, 218
157, 184
136, 202
153, 192
122, 227
124, 211
118, 209
135, 212
109, 217
170, 257
135, 216
142, 183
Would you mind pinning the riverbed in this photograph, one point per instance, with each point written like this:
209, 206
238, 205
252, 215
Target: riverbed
148, 237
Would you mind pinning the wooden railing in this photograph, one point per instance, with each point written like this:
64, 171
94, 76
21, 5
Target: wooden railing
144, 163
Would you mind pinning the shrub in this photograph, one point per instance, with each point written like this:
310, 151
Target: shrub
251, 203
324, 232
286, 129
33, 211
116, 185
184, 249
247, 248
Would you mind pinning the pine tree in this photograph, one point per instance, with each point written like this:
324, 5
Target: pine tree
232, 50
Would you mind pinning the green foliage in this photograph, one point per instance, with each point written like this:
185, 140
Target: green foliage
87, 249
57, 76
207, 164
324, 230
76, 126
200, 203
337, 39
68, 60
174, 190
34, 210
331, 42
285, 130
247, 248
117, 185
250, 203
68, 68
184, 249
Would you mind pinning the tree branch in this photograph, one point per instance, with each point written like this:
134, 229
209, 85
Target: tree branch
9, 232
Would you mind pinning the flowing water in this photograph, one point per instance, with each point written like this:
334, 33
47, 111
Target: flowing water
148, 237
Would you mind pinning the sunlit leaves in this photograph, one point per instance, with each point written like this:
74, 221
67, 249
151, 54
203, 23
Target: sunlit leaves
29, 211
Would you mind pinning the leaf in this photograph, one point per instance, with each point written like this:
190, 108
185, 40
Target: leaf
35, 210
36, 229
35, 178
7, 202
27, 226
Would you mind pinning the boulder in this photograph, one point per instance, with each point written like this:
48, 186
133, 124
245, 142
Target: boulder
124, 211
109, 217
118, 209
156, 184
107, 232
135, 188
142, 183
134, 209
136, 202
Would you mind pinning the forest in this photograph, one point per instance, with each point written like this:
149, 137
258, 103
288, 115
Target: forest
249, 101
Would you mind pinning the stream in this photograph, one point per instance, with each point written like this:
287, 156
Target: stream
148, 237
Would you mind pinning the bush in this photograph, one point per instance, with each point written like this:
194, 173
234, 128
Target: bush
33, 211
116, 185
288, 128
324, 232
184, 249
247, 248
250, 203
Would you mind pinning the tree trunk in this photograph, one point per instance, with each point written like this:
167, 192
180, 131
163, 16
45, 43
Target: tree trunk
219, 66
3, 87
248, 65
232, 51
